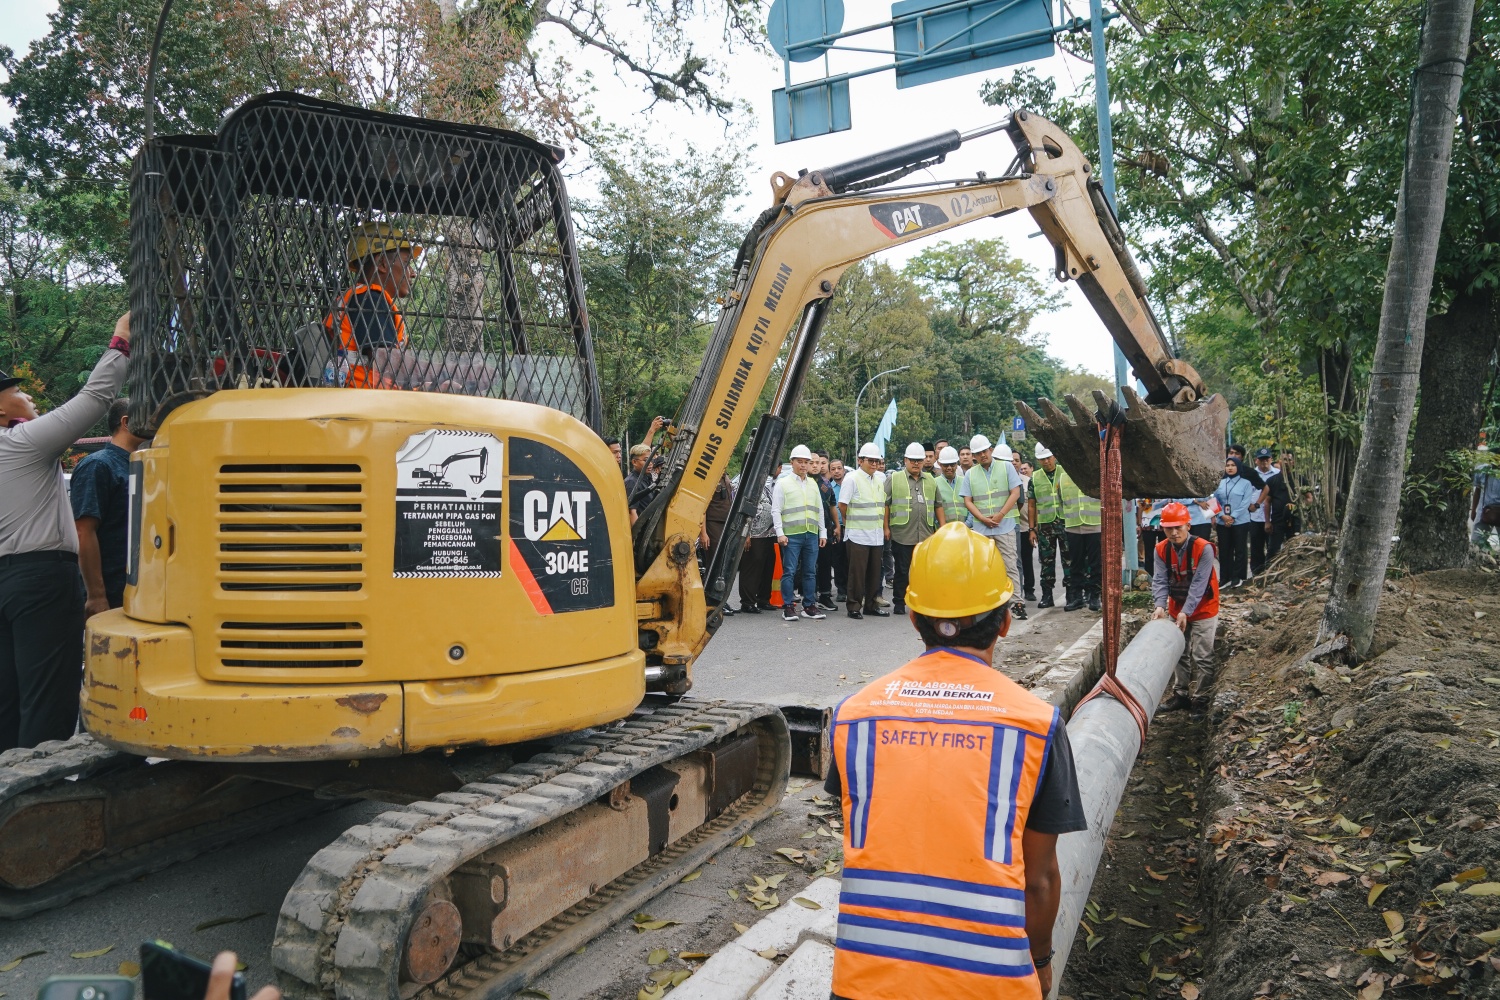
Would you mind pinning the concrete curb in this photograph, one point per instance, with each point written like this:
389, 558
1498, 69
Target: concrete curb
738, 972
1070, 676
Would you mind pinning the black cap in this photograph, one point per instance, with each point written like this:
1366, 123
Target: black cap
6, 381
1263, 453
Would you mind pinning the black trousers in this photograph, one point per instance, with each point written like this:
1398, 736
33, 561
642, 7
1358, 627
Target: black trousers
1265, 544
838, 557
1233, 541
1083, 560
1203, 531
756, 567
1028, 570
902, 556
828, 557
1149, 537
41, 647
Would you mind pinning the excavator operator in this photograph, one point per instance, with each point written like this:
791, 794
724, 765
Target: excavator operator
368, 317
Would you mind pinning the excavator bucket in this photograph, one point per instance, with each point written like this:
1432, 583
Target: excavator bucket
1165, 451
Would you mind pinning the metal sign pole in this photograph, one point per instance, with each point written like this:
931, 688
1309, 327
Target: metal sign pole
1107, 178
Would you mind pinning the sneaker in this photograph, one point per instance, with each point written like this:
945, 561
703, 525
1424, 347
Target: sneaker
1046, 601
1018, 611
826, 603
813, 613
789, 613
843, 597
882, 602
1176, 703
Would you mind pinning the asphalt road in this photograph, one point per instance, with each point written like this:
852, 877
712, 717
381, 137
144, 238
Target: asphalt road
757, 658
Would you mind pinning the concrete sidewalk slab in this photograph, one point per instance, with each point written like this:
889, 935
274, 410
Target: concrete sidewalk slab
806, 975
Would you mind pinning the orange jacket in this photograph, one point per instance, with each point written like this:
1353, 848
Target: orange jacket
359, 376
941, 761
1180, 576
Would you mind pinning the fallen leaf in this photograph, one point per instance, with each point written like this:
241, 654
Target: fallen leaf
745, 841
1445, 743
534, 992
651, 992
1189, 992
1393, 921
1333, 971
1375, 891
658, 956
692, 875
1490, 937
741, 929
128, 969
1332, 878
1134, 923
769, 954
222, 921
1483, 889
92, 954
733, 893
19, 959
1374, 991
1471, 875
804, 901
791, 854
1158, 876
681, 976
692, 956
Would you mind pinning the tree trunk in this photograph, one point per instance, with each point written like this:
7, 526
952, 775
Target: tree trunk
1455, 361
1370, 515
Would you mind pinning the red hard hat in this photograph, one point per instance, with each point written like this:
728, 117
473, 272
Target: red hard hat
1174, 515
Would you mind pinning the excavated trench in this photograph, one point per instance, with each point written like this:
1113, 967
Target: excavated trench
1324, 831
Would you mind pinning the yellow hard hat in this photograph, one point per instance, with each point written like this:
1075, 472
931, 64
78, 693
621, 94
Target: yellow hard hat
371, 238
957, 573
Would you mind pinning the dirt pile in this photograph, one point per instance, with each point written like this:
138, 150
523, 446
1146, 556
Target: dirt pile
1348, 838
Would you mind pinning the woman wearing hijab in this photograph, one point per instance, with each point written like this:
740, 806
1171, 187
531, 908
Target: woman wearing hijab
1235, 494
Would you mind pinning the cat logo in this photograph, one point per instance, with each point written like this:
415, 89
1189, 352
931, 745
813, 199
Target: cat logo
896, 219
556, 517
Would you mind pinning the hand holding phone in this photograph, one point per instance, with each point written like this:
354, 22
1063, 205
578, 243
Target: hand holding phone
168, 974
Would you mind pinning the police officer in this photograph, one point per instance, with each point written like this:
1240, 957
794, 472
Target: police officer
955, 785
910, 516
41, 588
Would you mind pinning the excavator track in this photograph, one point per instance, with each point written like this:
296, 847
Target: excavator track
57, 800
383, 910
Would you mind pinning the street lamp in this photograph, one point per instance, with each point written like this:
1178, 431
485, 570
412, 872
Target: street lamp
889, 371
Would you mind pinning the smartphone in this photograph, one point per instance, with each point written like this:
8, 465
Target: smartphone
169, 974
87, 988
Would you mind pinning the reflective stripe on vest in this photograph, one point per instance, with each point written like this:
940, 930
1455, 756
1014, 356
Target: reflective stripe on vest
953, 504
987, 496
933, 901
801, 504
901, 499
1044, 492
360, 377
1180, 578
866, 506
1078, 509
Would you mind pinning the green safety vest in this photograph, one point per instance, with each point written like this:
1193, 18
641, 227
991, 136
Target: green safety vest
1079, 509
801, 505
990, 493
867, 505
953, 504
901, 499
1044, 492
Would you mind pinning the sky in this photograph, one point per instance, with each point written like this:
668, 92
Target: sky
882, 116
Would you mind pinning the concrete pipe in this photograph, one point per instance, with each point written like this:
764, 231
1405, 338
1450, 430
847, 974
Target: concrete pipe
1105, 742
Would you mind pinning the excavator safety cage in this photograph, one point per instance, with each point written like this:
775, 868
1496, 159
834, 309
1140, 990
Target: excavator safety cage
240, 245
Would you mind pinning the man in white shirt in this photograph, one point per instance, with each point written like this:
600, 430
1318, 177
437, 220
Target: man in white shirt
862, 505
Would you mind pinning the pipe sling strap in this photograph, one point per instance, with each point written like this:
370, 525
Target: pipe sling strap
1112, 526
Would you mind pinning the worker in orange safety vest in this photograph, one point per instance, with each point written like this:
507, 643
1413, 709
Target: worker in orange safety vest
368, 316
956, 783
1185, 588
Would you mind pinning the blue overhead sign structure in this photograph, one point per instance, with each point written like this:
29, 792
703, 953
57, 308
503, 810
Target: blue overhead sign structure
930, 40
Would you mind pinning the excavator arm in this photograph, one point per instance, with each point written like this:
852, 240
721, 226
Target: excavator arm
787, 270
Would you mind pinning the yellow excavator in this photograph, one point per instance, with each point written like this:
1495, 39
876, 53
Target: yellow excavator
429, 593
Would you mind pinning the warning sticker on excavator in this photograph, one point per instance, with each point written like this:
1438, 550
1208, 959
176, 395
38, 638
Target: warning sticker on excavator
448, 493
898, 218
558, 538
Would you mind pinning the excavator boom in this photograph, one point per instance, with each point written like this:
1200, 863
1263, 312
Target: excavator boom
788, 268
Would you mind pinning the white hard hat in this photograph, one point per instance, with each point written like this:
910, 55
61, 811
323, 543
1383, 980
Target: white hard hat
1042, 452
948, 456
801, 451
868, 450
916, 451
1003, 452
979, 443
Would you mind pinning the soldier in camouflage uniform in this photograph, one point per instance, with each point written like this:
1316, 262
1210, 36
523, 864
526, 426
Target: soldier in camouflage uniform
1044, 510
